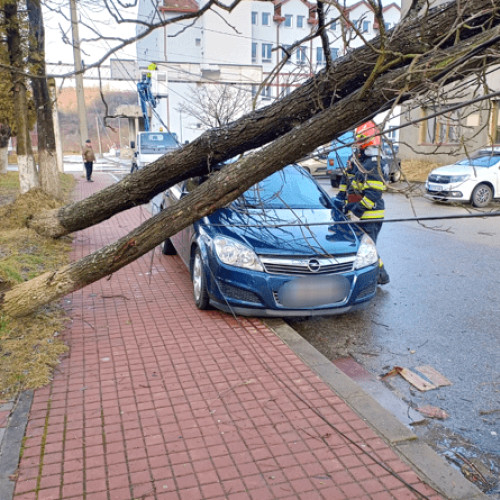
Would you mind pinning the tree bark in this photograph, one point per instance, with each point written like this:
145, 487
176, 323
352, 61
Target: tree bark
226, 185
28, 175
47, 158
4, 147
404, 44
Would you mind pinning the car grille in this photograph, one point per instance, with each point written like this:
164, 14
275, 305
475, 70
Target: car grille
308, 265
439, 179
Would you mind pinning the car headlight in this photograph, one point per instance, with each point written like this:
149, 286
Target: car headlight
232, 253
459, 178
367, 253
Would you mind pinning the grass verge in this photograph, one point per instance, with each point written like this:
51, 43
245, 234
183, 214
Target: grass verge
30, 348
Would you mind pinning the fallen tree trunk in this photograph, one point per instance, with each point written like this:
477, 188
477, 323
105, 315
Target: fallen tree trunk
444, 26
227, 184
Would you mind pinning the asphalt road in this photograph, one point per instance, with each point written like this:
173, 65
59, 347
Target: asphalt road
441, 308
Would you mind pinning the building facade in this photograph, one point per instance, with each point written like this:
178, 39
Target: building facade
263, 47
454, 121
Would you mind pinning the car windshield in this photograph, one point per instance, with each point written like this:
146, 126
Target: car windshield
289, 188
156, 142
481, 160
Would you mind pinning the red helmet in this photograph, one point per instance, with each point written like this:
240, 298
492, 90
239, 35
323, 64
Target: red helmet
366, 135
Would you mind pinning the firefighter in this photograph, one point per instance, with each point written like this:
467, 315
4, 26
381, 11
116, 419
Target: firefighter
362, 186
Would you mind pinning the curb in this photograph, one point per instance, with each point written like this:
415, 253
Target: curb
432, 468
11, 442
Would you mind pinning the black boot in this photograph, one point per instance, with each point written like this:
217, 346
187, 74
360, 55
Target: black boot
383, 276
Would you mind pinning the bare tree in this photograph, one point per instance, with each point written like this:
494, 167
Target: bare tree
217, 105
47, 158
28, 175
413, 61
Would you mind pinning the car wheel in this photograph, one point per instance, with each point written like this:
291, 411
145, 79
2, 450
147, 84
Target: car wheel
168, 248
481, 196
334, 182
396, 176
200, 291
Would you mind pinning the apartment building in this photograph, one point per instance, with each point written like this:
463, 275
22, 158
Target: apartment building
262, 47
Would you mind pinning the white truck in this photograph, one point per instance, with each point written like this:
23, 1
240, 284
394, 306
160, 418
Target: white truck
150, 146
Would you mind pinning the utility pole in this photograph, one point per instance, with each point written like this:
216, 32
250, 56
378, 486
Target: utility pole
80, 96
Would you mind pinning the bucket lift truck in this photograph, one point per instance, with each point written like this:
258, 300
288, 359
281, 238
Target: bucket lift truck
155, 140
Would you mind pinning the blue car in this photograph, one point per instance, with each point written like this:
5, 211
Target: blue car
276, 251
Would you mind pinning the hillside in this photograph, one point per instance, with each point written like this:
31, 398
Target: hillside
96, 110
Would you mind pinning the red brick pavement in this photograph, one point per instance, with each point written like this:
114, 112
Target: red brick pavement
158, 400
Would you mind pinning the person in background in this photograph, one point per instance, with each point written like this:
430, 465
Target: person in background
88, 159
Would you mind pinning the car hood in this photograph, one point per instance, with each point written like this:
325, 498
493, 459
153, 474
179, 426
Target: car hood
456, 170
269, 232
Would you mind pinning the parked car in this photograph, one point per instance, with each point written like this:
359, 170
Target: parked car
341, 153
276, 251
475, 179
314, 165
338, 157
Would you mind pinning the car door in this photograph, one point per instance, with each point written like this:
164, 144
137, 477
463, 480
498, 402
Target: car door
179, 240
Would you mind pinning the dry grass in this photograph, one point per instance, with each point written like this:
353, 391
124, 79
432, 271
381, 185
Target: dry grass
416, 170
30, 348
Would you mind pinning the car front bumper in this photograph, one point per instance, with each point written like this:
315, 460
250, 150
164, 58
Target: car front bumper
251, 293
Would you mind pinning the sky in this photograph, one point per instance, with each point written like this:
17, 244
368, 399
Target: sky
94, 20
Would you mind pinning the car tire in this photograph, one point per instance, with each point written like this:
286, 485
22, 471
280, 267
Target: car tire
481, 196
200, 292
168, 248
334, 182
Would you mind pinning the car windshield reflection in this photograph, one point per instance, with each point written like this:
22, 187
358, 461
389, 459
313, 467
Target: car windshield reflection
298, 192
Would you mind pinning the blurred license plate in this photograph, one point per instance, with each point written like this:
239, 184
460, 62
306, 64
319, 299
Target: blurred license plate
435, 187
314, 291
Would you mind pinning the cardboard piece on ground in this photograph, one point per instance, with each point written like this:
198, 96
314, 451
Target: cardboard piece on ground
433, 375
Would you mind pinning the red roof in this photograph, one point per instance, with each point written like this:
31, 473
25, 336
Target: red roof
179, 6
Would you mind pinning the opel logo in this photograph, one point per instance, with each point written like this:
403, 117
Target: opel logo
313, 265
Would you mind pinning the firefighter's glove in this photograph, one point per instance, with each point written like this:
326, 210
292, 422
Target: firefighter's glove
355, 208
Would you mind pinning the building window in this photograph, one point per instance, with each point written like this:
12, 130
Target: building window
288, 20
366, 26
287, 52
301, 54
266, 17
197, 42
266, 92
496, 122
255, 88
254, 52
334, 52
333, 25
254, 18
266, 52
387, 26
300, 21
443, 129
320, 55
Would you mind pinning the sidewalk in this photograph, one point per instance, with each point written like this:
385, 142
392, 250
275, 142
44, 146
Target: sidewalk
158, 400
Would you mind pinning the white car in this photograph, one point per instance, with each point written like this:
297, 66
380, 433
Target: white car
475, 179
